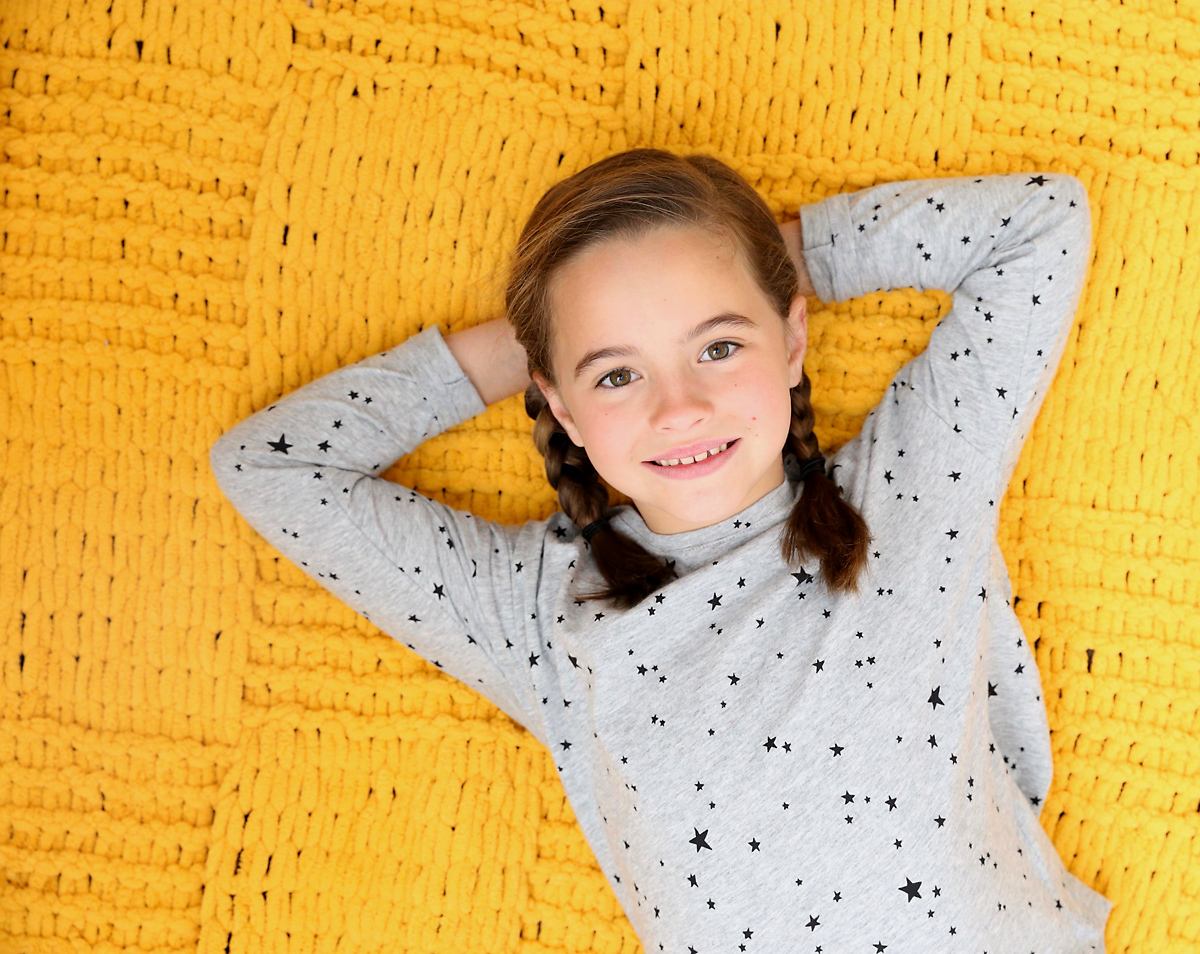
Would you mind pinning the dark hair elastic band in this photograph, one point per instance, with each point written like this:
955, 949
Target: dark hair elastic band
812, 464
593, 528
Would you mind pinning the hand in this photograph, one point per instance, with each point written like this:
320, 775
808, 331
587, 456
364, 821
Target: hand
492, 358
794, 241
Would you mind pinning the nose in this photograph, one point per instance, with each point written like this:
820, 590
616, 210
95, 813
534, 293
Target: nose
679, 403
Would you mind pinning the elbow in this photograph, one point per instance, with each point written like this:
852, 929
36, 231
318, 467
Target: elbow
218, 457
214, 455
1079, 206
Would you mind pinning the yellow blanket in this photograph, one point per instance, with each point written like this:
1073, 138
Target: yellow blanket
207, 204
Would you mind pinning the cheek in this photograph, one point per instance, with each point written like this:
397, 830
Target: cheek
770, 411
762, 402
601, 429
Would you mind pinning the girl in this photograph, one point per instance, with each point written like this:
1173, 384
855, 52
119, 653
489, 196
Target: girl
789, 702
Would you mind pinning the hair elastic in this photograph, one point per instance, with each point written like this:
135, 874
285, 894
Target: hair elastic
595, 527
812, 464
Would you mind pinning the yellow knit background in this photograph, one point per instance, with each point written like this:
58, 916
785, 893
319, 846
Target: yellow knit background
208, 203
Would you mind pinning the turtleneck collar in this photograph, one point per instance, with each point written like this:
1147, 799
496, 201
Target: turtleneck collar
767, 512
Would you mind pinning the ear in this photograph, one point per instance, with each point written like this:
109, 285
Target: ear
797, 321
558, 408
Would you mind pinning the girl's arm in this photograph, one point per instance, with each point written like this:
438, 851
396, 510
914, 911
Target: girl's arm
1013, 250
456, 589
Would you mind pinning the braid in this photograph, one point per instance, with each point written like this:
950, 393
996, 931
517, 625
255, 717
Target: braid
801, 440
821, 523
631, 572
569, 470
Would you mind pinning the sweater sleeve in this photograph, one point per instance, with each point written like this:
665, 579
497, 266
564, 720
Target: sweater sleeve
1012, 250
1016, 711
454, 588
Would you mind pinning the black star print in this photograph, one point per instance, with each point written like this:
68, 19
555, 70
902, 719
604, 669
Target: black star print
911, 888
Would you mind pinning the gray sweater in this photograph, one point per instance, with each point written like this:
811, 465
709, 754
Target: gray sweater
759, 764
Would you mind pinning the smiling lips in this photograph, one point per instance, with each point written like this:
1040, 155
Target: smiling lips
703, 455
704, 463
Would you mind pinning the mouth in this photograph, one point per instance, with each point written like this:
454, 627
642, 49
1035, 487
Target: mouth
685, 462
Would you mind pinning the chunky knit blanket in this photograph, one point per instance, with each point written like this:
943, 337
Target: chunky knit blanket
207, 204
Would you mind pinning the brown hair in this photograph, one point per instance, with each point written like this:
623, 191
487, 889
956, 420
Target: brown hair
626, 196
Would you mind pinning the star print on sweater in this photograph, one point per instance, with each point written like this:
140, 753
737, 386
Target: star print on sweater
758, 764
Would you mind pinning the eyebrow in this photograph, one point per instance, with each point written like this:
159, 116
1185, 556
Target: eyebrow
725, 318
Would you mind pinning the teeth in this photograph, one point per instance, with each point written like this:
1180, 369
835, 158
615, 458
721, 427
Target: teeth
703, 455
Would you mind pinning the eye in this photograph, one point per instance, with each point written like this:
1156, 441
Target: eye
604, 387
612, 388
718, 344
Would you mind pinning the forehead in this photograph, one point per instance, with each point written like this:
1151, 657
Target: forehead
667, 276
655, 254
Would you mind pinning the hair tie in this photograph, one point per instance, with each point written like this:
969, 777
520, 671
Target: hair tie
595, 527
810, 465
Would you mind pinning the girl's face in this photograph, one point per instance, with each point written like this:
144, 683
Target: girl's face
664, 348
